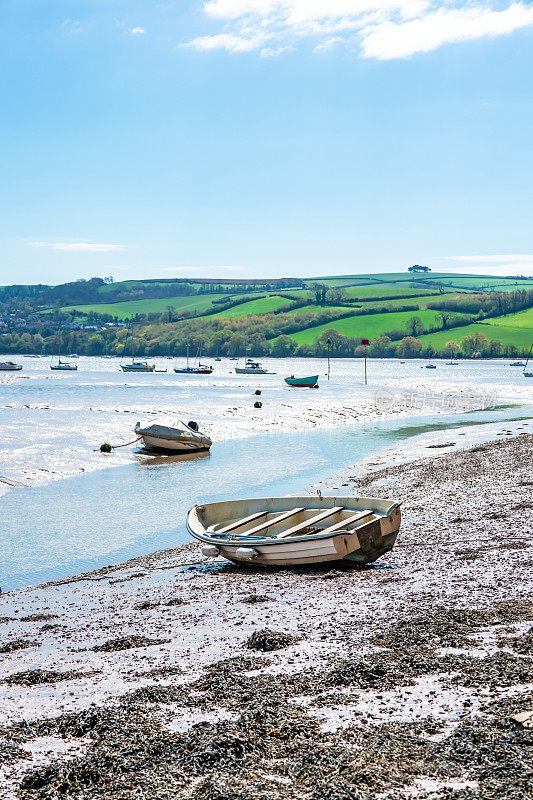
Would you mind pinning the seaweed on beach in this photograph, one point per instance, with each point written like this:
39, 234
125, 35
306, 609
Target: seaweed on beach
268, 640
37, 617
251, 599
35, 677
127, 643
499, 669
448, 627
18, 644
4, 620
521, 644
146, 605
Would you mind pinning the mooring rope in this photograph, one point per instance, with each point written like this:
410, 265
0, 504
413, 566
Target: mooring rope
104, 447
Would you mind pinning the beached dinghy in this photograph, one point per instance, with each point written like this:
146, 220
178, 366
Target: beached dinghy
309, 383
172, 435
277, 531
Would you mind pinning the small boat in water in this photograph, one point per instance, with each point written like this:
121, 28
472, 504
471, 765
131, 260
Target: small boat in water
252, 368
172, 435
64, 366
517, 364
199, 369
528, 374
310, 382
10, 366
137, 366
277, 531
452, 363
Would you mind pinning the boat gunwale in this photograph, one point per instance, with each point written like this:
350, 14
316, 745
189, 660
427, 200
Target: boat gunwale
267, 540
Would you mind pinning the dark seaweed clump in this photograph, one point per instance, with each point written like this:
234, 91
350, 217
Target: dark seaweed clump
256, 598
267, 640
38, 617
127, 643
18, 644
35, 677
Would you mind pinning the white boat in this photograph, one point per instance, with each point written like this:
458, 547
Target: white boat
64, 366
277, 531
199, 369
528, 374
172, 435
252, 368
10, 366
137, 366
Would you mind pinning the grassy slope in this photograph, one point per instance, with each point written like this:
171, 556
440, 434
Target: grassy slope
365, 326
521, 337
156, 305
522, 319
262, 306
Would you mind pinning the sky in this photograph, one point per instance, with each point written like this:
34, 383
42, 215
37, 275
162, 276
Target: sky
264, 138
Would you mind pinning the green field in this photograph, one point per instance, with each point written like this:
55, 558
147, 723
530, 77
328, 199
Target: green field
520, 337
156, 305
367, 327
522, 319
264, 305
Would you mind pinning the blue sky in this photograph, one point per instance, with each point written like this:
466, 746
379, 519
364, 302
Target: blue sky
264, 137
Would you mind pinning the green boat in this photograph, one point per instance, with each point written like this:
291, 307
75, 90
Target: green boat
310, 382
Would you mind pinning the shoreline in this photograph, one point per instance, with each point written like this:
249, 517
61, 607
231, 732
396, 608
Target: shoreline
423, 651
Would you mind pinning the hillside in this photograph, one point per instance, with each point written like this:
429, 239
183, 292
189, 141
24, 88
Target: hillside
402, 314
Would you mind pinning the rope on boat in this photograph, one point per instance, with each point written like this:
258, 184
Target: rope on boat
106, 447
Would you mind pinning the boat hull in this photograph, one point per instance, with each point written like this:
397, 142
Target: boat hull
364, 544
169, 445
64, 368
10, 368
306, 383
250, 371
129, 368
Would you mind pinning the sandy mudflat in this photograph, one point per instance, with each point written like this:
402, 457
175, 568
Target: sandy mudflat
396, 681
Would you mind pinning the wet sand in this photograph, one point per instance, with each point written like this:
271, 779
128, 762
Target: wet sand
170, 676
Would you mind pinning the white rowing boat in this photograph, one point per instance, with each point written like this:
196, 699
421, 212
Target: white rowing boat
277, 531
172, 435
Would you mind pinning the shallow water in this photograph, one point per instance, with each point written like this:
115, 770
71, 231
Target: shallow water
107, 516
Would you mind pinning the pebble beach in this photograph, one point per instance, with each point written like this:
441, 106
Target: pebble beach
176, 676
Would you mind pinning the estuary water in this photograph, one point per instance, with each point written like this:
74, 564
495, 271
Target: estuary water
79, 509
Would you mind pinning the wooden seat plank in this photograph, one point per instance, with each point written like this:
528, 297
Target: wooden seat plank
274, 521
329, 512
239, 522
348, 521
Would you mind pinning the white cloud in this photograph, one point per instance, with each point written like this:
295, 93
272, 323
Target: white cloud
497, 259
392, 40
88, 247
382, 29
138, 31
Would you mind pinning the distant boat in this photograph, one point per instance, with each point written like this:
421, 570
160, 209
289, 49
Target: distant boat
73, 355
528, 374
10, 366
310, 382
134, 366
517, 364
431, 366
278, 531
62, 366
199, 369
452, 363
172, 435
138, 366
218, 358
252, 368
